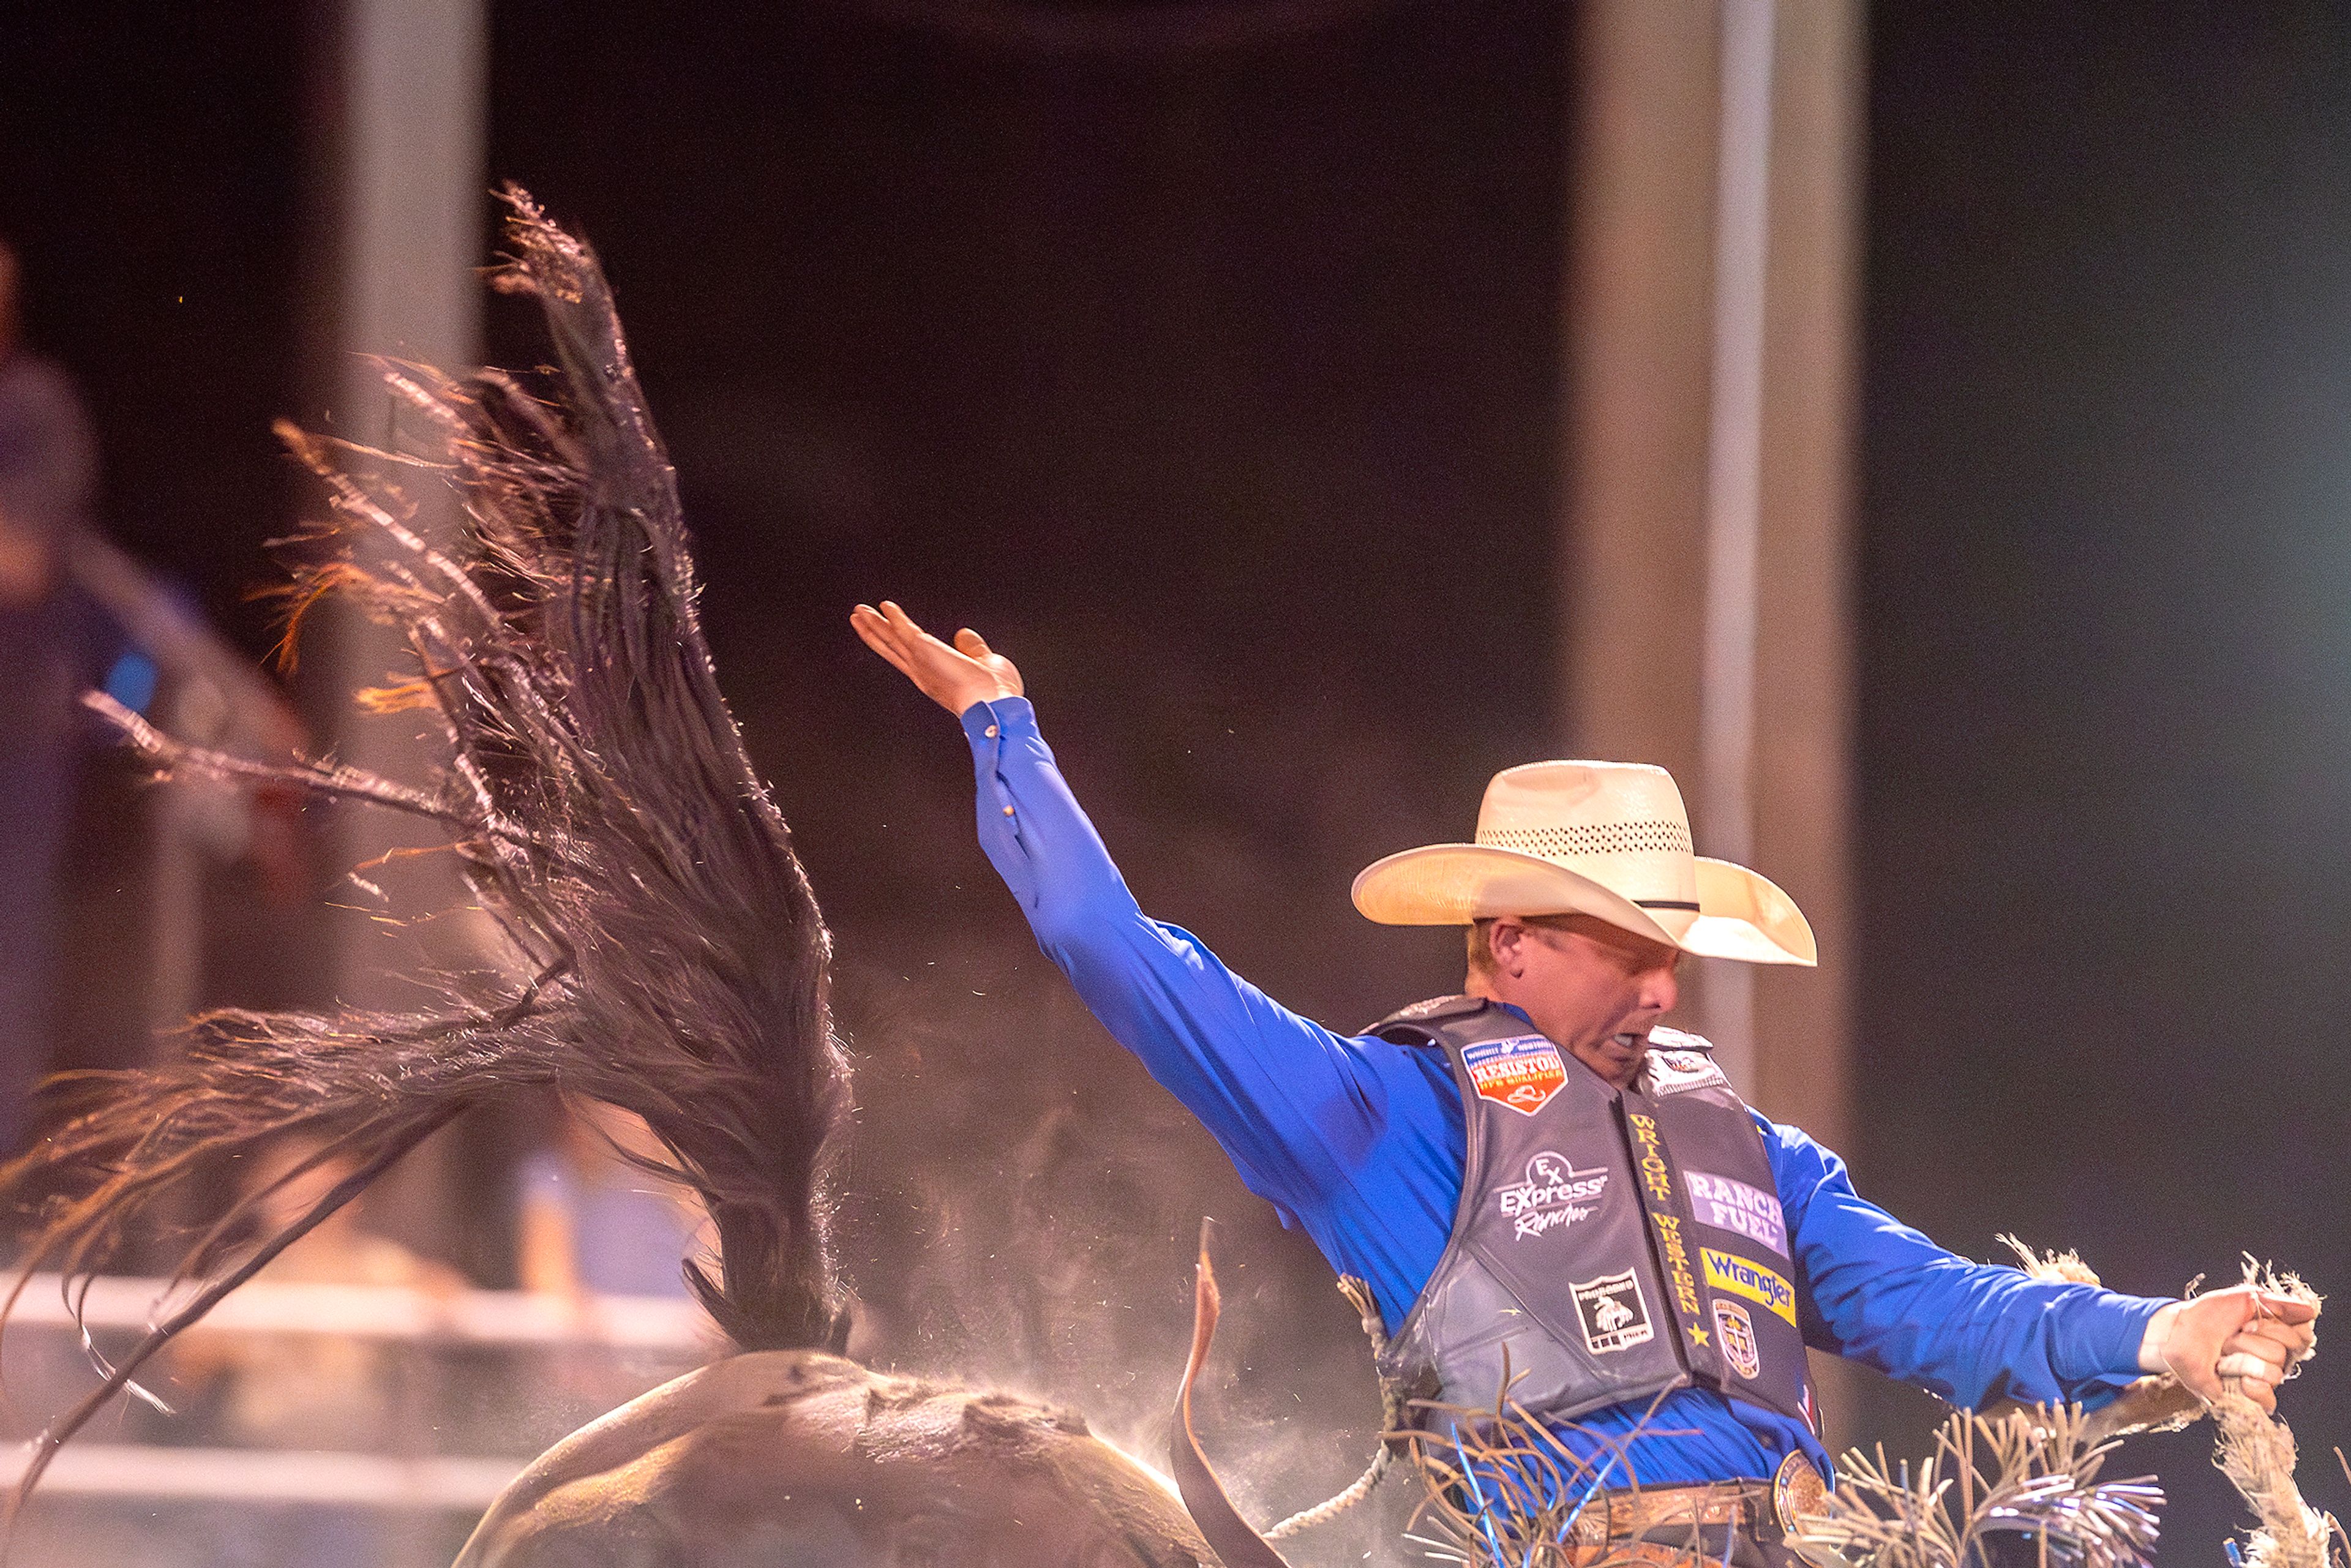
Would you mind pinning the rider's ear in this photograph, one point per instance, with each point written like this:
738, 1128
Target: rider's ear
1507, 939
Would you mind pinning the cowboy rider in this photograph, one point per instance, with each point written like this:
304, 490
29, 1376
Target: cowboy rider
1654, 1255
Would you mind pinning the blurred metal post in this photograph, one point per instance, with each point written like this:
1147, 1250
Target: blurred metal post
1710, 312
1727, 669
404, 185
405, 188
1636, 313
1807, 538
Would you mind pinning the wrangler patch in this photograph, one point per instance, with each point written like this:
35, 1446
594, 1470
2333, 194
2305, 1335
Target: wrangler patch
1752, 1280
1521, 1072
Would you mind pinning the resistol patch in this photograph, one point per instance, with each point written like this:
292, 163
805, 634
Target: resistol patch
1522, 1072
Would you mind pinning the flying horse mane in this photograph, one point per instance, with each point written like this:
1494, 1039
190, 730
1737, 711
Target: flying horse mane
668, 956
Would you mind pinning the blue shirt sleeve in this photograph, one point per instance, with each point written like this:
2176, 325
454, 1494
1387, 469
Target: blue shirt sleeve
1884, 1294
1361, 1143
1348, 1137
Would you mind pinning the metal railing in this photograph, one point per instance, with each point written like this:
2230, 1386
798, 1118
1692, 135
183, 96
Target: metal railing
385, 1312
515, 1319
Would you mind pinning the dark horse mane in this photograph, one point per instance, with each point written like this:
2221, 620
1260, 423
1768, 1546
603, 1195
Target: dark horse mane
667, 956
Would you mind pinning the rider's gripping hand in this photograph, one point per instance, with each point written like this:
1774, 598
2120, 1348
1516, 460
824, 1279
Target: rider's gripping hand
2251, 1337
954, 677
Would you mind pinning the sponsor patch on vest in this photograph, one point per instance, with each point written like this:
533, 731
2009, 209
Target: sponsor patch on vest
1680, 1071
1655, 1175
1678, 1268
1554, 1194
1729, 1205
1612, 1314
1736, 1330
1657, 1182
1522, 1072
1752, 1280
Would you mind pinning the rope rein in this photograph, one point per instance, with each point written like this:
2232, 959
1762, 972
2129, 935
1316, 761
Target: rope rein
1392, 1403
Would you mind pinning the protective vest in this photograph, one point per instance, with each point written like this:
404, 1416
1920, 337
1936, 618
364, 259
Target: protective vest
1616, 1243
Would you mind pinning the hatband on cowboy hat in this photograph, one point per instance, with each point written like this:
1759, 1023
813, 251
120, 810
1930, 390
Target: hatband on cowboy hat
1606, 839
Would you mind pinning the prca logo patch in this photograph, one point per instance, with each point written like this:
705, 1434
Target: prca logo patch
1612, 1313
1554, 1194
1736, 1331
1522, 1072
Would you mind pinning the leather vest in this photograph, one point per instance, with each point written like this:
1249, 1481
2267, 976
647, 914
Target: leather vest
1615, 1243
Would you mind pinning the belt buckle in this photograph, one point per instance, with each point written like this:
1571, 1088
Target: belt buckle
1797, 1491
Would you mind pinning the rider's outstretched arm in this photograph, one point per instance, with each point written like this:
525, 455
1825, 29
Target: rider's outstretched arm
1298, 1108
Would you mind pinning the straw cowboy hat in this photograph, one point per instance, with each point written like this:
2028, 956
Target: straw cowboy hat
1605, 838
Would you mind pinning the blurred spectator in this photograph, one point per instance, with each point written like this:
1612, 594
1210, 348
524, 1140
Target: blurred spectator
594, 1224
53, 642
76, 612
310, 1391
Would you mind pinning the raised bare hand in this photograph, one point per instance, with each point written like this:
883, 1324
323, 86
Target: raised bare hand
954, 677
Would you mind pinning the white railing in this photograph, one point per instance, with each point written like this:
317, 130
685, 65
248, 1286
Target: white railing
387, 1312
269, 1476
382, 1313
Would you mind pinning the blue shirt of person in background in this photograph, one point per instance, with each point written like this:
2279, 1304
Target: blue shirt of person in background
53, 642
593, 1224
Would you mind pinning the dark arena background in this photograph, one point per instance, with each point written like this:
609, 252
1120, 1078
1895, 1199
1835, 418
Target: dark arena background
1211, 359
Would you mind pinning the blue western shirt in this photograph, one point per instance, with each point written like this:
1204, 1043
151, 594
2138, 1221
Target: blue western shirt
1361, 1143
